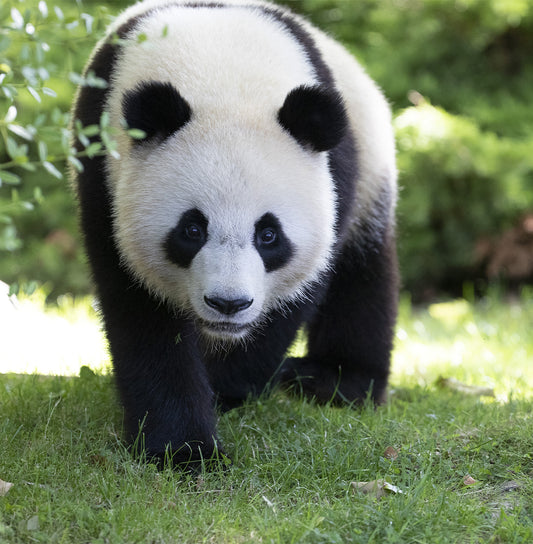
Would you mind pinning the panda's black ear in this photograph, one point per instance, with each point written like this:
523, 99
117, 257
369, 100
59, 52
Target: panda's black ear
314, 116
156, 108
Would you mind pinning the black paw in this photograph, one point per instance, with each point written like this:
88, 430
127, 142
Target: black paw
322, 382
225, 404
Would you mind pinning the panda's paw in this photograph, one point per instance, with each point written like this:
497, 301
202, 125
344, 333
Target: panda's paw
301, 376
311, 378
192, 458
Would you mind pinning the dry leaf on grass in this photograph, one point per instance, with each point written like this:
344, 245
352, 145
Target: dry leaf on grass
391, 454
4, 487
377, 488
459, 387
98, 460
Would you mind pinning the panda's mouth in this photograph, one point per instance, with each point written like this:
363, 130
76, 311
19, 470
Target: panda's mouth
224, 329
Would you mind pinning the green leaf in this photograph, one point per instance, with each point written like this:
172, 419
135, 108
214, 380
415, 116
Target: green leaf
107, 141
38, 195
49, 92
9, 91
34, 93
85, 142
18, 20
9, 177
72, 23
26, 165
57, 116
88, 20
43, 9
30, 287
51, 169
93, 149
93, 81
59, 13
91, 130
11, 114
14, 289
13, 150
43, 73
136, 133
76, 78
40, 120
21, 132
104, 119
76, 163
42, 149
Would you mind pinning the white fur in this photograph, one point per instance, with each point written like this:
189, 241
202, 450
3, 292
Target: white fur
233, 161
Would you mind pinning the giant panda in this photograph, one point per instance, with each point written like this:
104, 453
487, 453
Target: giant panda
251, 194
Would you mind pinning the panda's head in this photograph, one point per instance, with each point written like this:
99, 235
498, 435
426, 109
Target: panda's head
226, 217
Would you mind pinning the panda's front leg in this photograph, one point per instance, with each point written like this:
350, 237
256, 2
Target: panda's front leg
350, 339
163, 384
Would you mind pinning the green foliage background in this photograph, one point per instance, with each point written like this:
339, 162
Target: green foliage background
459, 76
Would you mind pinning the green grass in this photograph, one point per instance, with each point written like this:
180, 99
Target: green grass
294, 461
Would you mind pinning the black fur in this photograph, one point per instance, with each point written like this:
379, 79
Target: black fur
166, 377
156, 108
314, 117
162, 381
350, 338
271, 242
187, 238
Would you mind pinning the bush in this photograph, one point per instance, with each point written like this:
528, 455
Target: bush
459, 184
42, 52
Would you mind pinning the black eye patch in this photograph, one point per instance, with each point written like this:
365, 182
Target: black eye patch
271, 242
187, 238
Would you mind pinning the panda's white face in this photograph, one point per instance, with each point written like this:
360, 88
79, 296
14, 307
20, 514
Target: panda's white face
226, 224
227, 208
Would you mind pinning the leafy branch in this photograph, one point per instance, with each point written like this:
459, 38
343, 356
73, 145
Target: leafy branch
37, 45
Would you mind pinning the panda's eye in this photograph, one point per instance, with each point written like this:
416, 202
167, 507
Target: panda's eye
271, 242
187, 238
267, 236
194, 231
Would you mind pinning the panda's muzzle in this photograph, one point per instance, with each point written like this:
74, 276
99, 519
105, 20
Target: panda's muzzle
228, 306
224, 329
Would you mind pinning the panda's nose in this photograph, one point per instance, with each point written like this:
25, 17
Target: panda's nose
228, 307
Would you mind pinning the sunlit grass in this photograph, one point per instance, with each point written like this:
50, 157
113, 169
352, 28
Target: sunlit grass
44, 339
488, 343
